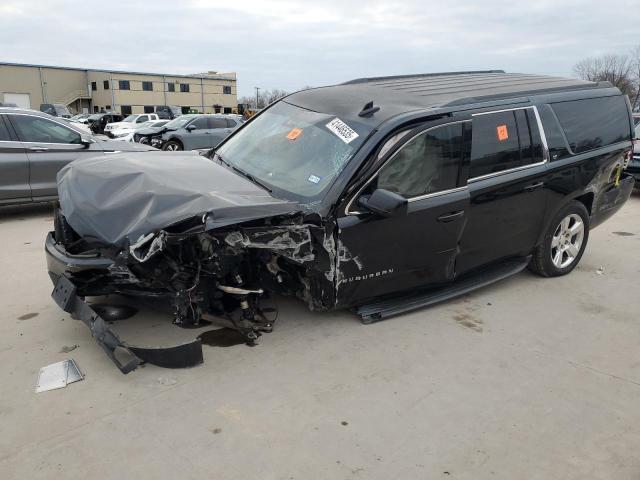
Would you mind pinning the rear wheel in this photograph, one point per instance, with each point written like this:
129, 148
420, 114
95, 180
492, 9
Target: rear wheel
172, 146
563, 243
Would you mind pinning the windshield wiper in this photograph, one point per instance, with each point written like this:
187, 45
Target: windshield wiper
246, 175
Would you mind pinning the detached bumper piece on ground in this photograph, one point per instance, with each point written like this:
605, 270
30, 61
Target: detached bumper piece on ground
126, 357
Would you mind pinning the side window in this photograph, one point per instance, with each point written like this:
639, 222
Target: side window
504, 140
231, 123
428, 163
217, 122
200, 123
594, 122
4, 131
41, 130
494, 144
142, 119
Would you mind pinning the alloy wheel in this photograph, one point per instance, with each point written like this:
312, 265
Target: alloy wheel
567, 240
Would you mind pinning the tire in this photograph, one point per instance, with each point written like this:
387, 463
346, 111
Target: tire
563, 243
172, 146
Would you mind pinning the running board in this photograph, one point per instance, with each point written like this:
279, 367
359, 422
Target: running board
383, 309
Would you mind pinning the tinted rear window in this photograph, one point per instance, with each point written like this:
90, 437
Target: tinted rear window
594, 122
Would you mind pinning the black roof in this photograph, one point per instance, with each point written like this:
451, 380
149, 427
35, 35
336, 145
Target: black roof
404, 93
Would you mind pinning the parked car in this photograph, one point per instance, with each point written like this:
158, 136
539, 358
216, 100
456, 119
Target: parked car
81, 118
98, 121
634, 160
35, 146
145, 134
113, 129
380, 195
80, 126
56, 110
127, 134
197, 131
8, 104
168, 112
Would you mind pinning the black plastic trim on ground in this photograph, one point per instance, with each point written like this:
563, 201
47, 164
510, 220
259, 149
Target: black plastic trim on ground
126, 357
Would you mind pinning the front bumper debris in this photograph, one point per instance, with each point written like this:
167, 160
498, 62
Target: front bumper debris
126, 357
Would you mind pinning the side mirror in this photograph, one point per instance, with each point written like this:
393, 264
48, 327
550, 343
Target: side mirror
385, 203
191, 128
86, 140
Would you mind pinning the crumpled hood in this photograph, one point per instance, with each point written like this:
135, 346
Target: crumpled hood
123, 196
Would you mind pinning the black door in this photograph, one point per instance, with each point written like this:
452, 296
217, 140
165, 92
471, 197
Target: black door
507, 187
378, 255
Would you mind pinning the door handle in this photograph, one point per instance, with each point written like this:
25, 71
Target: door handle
449, 217
38, 149
533, 186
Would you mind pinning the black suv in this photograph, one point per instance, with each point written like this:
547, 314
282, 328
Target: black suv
381, 195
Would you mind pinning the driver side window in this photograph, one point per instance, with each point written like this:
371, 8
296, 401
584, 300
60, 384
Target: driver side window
427, 163
40, 130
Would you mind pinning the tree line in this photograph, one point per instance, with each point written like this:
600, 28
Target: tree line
621, 70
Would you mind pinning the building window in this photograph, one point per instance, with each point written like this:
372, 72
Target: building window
149, 109
124, 85
184, 87
147, 86
125, 109
94, 86
217, 108
105, 84
171, 87
107, 108
227, 109
185, 110
96, 109
226, 89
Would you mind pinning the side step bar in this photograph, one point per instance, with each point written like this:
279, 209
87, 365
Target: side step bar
383, 309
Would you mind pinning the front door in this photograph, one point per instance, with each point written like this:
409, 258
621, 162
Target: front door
198, 134
14, 167
507, 187
50, 146
378, 255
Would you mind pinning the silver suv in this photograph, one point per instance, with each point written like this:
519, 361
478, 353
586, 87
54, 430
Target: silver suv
34, 146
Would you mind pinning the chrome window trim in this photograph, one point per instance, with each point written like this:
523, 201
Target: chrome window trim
50, 120
543, 140
347, 209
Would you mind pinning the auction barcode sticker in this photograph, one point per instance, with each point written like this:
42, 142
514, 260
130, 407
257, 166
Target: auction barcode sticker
342, 130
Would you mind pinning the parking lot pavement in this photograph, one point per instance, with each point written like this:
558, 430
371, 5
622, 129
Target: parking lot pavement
529, 378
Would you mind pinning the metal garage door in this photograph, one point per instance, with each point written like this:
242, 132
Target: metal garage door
20, 99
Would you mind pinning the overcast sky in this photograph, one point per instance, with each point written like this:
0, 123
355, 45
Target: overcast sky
290, 44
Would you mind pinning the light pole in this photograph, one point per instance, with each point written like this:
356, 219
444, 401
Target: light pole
257, 96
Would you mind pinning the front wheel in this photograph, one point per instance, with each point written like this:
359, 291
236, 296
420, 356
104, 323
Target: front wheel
172, 146
563, 243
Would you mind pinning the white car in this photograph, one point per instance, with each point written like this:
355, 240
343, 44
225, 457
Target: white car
126, 133
113, 129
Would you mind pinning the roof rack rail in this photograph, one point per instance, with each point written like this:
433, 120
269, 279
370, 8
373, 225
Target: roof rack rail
416, 75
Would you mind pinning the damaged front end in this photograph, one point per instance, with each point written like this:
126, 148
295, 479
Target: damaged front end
205, 272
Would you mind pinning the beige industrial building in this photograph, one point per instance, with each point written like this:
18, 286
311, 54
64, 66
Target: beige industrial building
90, 90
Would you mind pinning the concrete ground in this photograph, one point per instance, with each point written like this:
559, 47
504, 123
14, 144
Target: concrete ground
530, 378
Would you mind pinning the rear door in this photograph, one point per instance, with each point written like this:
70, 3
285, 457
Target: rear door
508, 187
14, 167
378, 255
219, 129
50, 145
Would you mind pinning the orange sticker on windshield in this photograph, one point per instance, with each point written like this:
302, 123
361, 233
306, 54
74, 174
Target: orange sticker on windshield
503, 134
294, 133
